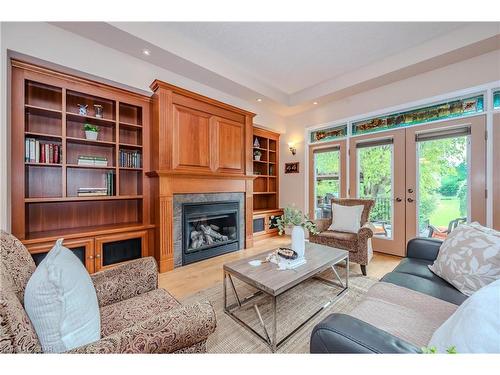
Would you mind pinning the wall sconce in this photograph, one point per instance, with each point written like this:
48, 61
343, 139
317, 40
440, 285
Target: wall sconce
292, 148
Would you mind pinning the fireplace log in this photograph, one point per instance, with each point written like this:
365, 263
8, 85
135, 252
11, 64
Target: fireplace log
212, 235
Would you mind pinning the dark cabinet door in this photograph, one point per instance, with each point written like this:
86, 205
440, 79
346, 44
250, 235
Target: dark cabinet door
82, 248
118, 248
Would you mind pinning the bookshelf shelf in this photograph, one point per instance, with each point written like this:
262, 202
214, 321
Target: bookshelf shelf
130, 169
32, 109
89, 166
43, 135
90, 119
129, 125
45, 197
43, 164
81, 199
89, 141
128, 145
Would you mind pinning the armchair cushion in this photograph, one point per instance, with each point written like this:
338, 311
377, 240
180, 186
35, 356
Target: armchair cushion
341, 236
167, 332
121, 315
61, 302
125, 281
346, 218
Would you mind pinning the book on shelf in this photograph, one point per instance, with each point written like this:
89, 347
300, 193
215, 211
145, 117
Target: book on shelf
92, 194
38, 151
109, 180
91, 161
130, 159
107, 190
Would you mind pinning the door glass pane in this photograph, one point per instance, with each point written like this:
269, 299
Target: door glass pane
326, 181
442, 194
375, 182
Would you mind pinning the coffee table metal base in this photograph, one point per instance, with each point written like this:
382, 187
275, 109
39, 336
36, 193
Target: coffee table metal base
270, 338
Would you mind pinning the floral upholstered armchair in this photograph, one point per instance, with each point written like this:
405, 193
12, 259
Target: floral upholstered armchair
136, 315
358, 244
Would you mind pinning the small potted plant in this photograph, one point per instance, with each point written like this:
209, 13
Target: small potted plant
257, 154
293, 217
91, 131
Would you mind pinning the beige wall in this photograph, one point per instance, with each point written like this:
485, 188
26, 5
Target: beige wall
468, 73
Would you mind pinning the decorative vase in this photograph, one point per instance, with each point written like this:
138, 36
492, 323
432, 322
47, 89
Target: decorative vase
257, 157
91, 135
298, 240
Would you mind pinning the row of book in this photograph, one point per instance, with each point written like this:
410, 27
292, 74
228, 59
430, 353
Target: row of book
108, 189
92, 161
40, 152
130, 159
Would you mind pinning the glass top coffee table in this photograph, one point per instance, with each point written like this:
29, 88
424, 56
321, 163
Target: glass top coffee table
267, 279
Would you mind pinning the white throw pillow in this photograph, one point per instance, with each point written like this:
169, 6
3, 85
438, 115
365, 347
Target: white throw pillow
475, 326
469, 258
61, 302
346, 218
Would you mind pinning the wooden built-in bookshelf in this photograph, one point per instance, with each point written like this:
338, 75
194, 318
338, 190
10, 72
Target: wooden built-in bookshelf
266, 182
45, 197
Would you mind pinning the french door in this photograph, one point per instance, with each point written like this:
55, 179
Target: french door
377, 163
425, 180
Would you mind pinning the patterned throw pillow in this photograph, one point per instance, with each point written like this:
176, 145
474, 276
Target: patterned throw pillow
469, 258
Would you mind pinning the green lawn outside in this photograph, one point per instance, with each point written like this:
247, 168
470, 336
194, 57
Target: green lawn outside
446, 210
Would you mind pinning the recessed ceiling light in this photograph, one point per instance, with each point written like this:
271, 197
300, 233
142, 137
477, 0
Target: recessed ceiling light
315, 103
146, 52
259, 100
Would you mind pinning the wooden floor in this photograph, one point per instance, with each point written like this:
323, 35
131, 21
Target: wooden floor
189, 279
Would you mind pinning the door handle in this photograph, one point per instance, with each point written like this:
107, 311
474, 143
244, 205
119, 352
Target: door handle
410, 200
398, 199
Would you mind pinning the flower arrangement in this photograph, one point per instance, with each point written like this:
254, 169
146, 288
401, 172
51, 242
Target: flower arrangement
294, 217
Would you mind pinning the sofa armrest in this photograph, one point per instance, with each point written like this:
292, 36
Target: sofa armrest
165, 333
126, 281
340, 333
423, 248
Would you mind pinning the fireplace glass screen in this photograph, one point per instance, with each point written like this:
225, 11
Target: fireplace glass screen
209, 229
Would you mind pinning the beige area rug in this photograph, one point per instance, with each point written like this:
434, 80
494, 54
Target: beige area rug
292, 307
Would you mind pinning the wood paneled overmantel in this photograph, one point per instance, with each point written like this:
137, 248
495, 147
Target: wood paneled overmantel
199, 145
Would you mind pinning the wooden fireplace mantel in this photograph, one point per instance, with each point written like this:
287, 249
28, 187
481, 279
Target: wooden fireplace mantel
199, 145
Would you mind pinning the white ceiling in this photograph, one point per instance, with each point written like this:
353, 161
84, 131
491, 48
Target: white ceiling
292, 56
290, 65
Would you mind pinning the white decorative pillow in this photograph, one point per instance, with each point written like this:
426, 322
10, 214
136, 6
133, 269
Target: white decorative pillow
61, 302
475, 326
346, 218
469, 258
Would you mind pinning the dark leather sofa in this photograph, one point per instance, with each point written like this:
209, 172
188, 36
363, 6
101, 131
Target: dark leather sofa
341, 333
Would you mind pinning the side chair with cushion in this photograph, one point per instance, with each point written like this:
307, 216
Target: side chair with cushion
136, 315
360, 250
